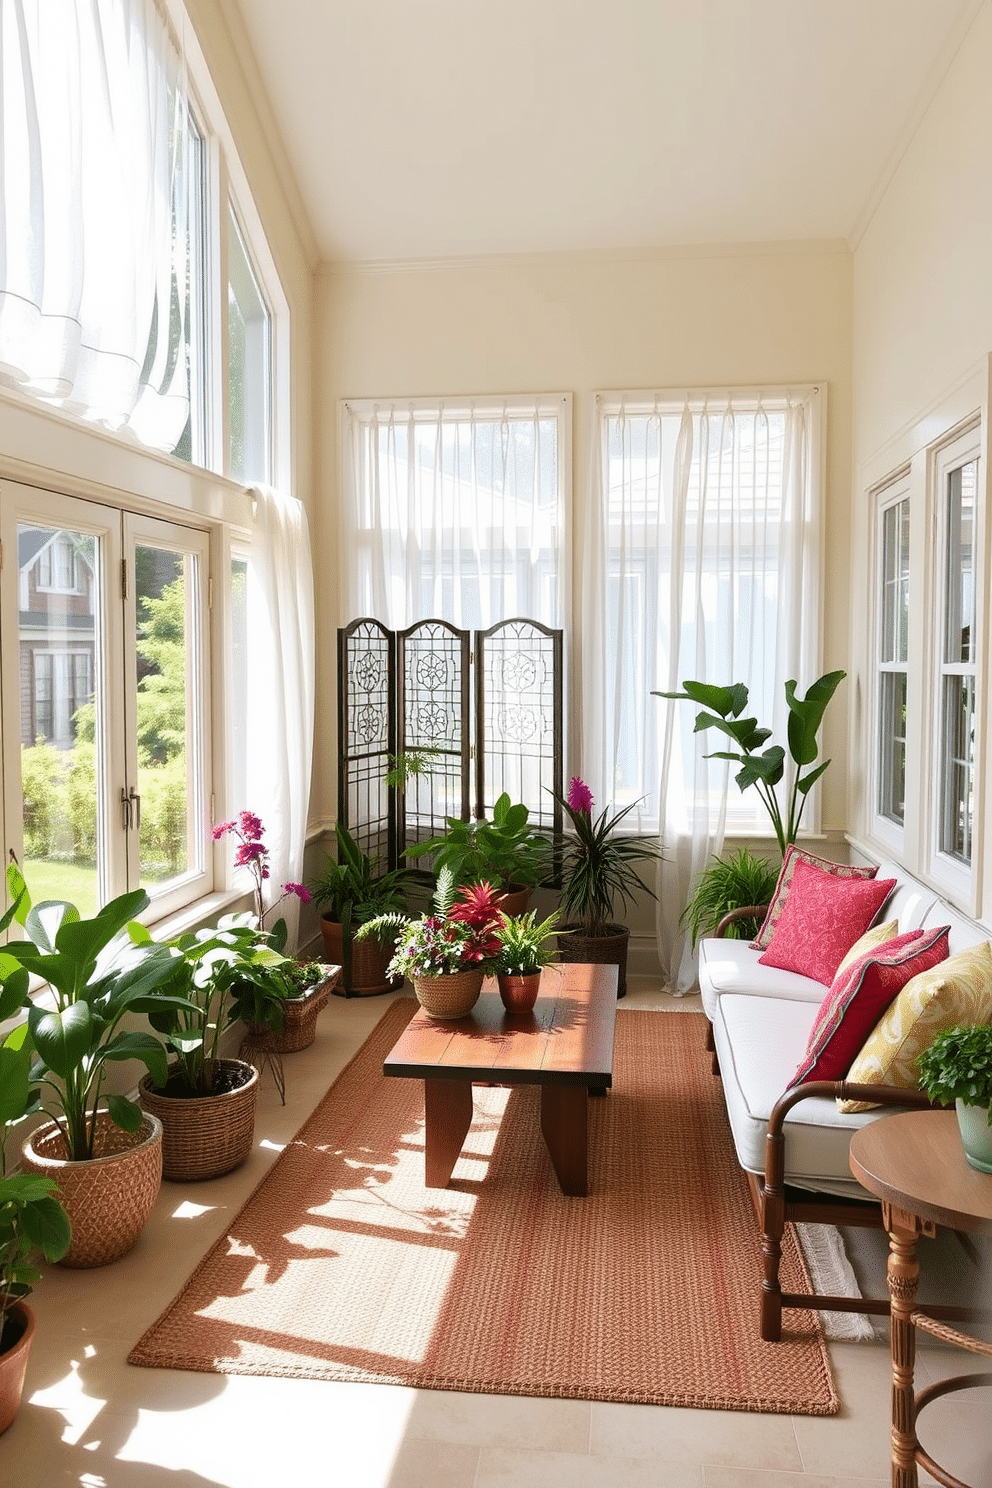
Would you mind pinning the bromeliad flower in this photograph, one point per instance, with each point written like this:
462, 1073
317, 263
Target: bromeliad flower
579, 795
459, 933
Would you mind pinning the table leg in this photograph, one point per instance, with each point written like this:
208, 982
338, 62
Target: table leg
903, 1275
448, 1113
564, 1110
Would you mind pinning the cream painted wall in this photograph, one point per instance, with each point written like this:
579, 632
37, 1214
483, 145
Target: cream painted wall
577, 324
922, 309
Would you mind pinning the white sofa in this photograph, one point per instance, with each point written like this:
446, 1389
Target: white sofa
794, 1148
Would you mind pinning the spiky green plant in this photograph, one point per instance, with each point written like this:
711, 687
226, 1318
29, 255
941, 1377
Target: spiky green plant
730, 882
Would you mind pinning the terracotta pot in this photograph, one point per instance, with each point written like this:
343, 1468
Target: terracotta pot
519, 993
451, 996
514, 899
367, 976
607, 949
204, 1136
14, 1363
110, 1197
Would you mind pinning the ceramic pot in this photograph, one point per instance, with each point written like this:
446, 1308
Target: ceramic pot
14, 1363
451, 996
976, 1135
204, 1135
607, 949
364, 971
518, 993
514, 899
109, 1197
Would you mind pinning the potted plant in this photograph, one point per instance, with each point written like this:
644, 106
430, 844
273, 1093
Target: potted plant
737, 880
446, 952
504, 851
31, 1218
525, 946
958, 1067
599, 870
103, 1152
349, 893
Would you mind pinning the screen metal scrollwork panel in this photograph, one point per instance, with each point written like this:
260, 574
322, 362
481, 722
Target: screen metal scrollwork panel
367, 735
518, 687
434, 701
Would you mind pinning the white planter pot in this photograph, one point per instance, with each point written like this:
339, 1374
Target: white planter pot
976, 1134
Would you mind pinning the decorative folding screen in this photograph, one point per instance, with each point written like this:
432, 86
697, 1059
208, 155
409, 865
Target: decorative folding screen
408, 694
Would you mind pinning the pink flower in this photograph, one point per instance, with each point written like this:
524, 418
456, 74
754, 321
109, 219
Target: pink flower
249, 853
579, 795
222, 828
250, 826
302, 893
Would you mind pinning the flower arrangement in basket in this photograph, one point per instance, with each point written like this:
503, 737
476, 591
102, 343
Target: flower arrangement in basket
457, 939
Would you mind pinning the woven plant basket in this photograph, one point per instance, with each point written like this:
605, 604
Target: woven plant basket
609, 949
204, 1136
14, 1363
300, 1026
451, 996
109, 1197
369, 977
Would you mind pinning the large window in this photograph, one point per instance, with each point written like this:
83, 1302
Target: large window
893, 653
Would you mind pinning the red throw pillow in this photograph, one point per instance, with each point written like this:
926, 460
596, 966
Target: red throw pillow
823, 916
858, 998
794, 855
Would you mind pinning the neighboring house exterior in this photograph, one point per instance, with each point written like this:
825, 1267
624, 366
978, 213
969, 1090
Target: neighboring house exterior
57, 629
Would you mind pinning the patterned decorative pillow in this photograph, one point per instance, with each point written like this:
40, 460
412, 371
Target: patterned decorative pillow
873, 937
859, 997
823, 916
794, 855
959, 990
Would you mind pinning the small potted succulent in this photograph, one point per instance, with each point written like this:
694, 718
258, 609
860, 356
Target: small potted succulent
525, 946
446, 952
957, 1067
599, 872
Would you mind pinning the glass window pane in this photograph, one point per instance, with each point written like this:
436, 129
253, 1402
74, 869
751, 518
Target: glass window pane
959, 771
892, 746
61, 693
192, 444
249, 357
960, 602
165, 646
238, 679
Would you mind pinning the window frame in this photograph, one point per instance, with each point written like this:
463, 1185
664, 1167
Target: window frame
888, 496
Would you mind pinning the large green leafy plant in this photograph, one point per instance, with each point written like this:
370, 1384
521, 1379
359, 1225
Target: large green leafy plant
97, 976
500, 850
724, 708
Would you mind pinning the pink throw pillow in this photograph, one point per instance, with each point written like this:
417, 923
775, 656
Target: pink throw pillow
794, 855
823, 916
860, 996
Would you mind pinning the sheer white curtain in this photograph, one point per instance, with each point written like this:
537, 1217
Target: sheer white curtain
454, 511
94, 152
280, 706
701, 563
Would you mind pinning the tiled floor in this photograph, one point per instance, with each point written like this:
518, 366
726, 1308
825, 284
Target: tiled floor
89, 1419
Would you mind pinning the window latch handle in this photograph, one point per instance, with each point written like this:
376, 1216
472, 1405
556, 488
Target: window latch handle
125, 811
135, 804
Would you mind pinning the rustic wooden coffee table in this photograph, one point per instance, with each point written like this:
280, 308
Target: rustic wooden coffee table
565, 1045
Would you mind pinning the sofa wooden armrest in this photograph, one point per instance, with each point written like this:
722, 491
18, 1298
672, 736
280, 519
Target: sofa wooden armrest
745, 912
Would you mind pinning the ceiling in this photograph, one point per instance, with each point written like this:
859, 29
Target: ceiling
425, 129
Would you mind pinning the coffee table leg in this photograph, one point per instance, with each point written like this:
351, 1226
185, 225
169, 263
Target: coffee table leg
448, 1111
564, 1111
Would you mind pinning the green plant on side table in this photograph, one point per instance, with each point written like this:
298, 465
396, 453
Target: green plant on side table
504, 851
957, 1068
600, 871
103, 1151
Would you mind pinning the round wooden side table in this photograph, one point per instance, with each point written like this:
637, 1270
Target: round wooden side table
914, 1162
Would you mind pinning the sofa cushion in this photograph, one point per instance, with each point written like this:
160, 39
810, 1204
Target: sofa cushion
959, 990
873, 937
859, 996
962, 932
734, 966
822, 918
757, 1040
792, 856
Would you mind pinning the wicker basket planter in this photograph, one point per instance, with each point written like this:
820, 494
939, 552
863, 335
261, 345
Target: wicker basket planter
204, 1136
14, 1363
109, 1197
608, 949
368, 975
451, 996
300, 1025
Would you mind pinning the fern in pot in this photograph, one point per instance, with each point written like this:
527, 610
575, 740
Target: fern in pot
957, 1069
731, 882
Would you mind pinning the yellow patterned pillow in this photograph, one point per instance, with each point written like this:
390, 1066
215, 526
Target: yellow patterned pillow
958, 990
870, 941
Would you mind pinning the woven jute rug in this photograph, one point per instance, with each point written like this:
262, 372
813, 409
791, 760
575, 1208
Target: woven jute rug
343, 1266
